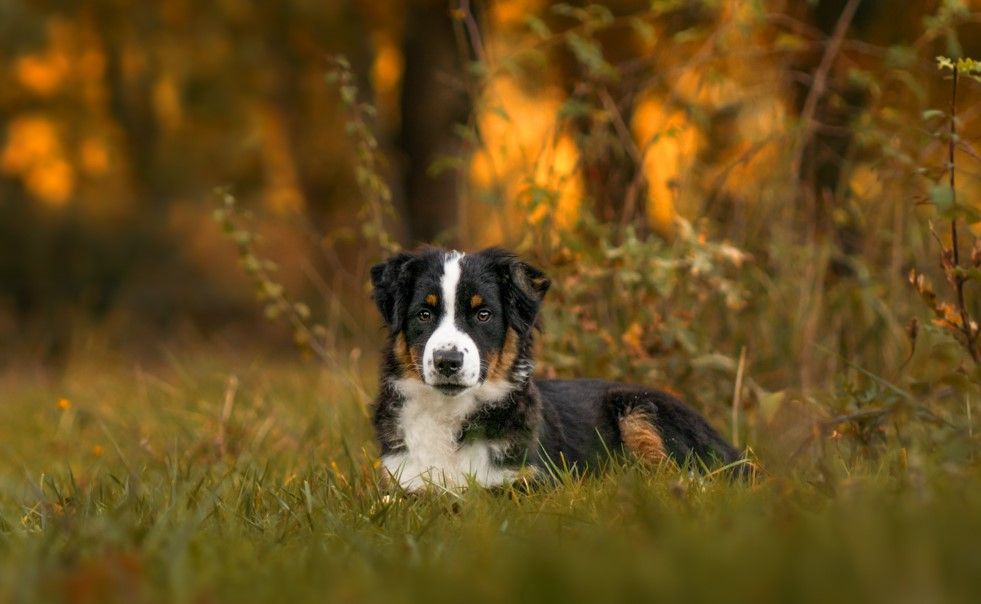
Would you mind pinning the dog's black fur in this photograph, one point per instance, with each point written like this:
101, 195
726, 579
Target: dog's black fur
507, 420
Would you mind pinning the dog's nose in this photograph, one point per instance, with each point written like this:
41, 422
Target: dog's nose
448, 362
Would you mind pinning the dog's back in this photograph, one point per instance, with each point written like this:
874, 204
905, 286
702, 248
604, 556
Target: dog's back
585, 420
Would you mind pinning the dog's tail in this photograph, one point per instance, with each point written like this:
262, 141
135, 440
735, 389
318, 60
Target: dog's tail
655, 426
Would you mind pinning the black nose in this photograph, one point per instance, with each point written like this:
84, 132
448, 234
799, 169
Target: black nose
448, 362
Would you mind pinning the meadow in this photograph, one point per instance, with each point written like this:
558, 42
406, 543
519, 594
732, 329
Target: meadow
769, 209
225, 477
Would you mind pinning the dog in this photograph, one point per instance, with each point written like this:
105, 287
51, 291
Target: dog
458, 404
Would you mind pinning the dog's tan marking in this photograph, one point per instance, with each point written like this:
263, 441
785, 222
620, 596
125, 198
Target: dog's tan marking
641, 437
407, 358
431, 299
500, 363
476, 301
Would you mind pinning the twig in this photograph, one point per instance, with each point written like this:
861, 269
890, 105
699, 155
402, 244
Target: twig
473, 31
633, 190
970, 422
226, 413
821, 82
621, 126
735, 397
864, 414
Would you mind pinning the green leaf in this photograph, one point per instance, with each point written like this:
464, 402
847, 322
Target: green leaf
251, 264
599, 13
644, 29
770, 403
442, 164
900, 57
538, 27
573, 108
566, 10
966, 66
500, 112
967, 212
466, 133
349, 94
590, 54
943, 197
714, 361
477, 69
972, 273
273, 290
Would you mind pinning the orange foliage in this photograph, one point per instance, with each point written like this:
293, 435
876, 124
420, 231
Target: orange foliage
386, 73
30, 140
386, 78
668, 143
93, 155
513, 153
632, 339
167, 103
42, 74
512, 12
52, 181
34, 152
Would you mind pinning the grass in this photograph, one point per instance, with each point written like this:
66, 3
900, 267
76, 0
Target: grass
183, 484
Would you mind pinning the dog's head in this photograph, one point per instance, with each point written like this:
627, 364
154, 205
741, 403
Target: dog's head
456, 320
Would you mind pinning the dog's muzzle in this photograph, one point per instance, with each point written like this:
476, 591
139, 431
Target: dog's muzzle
448, 362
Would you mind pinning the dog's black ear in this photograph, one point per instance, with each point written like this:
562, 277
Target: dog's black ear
523, 288
391, 282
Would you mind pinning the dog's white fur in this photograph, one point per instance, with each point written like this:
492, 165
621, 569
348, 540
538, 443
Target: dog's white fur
431, 423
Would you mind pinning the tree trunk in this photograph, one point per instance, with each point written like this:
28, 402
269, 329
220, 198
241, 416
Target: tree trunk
433, 101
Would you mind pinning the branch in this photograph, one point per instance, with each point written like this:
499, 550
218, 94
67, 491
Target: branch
473, 32
821, 82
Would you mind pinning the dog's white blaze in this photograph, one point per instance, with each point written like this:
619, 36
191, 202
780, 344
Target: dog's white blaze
447, 335
431, 423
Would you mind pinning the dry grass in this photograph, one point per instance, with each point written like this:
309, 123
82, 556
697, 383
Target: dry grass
179, 484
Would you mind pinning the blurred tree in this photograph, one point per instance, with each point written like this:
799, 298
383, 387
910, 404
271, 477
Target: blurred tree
434, 100
118, 119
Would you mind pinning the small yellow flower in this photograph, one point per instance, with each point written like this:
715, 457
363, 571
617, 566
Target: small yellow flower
64, 404
98, 450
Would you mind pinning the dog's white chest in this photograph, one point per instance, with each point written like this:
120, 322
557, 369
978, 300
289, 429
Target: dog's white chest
430, 425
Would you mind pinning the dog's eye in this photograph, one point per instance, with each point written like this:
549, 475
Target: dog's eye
483, 315
425, 316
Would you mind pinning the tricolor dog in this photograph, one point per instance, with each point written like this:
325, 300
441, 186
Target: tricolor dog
458, 402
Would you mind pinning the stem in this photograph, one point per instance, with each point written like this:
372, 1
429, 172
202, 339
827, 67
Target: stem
736, 397
966, 326
951, 144
473, 31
